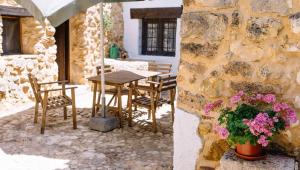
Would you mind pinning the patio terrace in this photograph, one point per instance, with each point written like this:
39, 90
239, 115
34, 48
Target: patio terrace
23, 147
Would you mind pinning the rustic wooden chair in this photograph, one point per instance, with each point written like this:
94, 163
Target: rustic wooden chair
49, 103
164, 69
112, 91
154, 100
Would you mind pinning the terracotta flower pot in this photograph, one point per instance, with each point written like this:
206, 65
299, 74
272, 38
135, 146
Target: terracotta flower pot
249, 150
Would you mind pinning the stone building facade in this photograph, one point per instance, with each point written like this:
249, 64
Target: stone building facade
233, 45
39, 50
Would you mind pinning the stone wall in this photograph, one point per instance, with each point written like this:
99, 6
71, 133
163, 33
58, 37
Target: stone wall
38, 57
31, 33
85, 39
15, 68
9, 3
232, 45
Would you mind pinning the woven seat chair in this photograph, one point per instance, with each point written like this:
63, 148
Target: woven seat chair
53, 102
154, 99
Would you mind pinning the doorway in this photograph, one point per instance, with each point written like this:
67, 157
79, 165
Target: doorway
62, 57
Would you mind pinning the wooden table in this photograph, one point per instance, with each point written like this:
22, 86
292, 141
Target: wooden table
118, 79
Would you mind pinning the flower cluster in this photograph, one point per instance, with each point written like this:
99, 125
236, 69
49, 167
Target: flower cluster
255, 118
262, 125
286, 112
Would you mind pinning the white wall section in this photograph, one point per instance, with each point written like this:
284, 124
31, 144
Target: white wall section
132, 32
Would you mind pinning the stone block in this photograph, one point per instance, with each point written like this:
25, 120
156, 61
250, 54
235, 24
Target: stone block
235, 68
190, 101
214, 147
204, 27
261, 28
230, 161
218, 3
252, 87
271, 6
103, 124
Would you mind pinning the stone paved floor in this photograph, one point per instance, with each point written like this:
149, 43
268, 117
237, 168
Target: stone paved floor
61, 147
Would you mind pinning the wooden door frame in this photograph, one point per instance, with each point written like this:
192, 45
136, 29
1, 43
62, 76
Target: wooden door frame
66, 51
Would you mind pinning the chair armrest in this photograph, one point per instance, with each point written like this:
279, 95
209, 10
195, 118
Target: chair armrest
60, 89
164, 75
54, 82
153, 82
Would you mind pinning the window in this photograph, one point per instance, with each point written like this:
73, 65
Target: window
159, 37
11, 35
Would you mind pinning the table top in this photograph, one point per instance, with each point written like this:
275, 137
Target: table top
123, 77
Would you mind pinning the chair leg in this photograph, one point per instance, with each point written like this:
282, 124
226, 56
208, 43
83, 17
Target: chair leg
74, 109
149, 114
44, 112
65, 113
36, 112
43, 121
153, 110
172, 97
154, 125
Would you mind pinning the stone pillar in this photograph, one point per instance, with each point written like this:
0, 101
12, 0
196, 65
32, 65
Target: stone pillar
233, 45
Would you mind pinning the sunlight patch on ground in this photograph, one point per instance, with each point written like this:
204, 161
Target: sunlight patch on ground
7, 109
30, 162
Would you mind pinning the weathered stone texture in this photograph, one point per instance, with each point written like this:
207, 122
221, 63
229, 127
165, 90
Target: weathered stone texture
9, 3
273, 162
261, 28
239, 45
15, 68
31, 33
202, 32
85, 39
274, 6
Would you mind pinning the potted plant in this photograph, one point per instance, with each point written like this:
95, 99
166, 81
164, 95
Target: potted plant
250, 121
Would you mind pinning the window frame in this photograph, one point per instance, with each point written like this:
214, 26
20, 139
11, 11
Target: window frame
160, 36
18, 19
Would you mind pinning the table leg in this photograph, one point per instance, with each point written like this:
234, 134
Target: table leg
120, 105
130, 105
135, 95
99, 98
94, 99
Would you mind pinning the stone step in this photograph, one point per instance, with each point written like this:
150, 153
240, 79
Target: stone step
230, 161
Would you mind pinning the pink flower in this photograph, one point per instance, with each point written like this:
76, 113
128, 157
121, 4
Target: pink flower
207, 108
223, 132
275, 119
277, 107
286, 112
262, 140
235, 99
261, 124
269, 98
259, 96
211, 106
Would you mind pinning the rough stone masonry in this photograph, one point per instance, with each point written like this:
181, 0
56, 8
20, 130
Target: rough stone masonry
232, 45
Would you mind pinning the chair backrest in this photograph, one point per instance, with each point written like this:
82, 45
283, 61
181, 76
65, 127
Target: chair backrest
107, 69
167, 83
36, 88
163, 68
